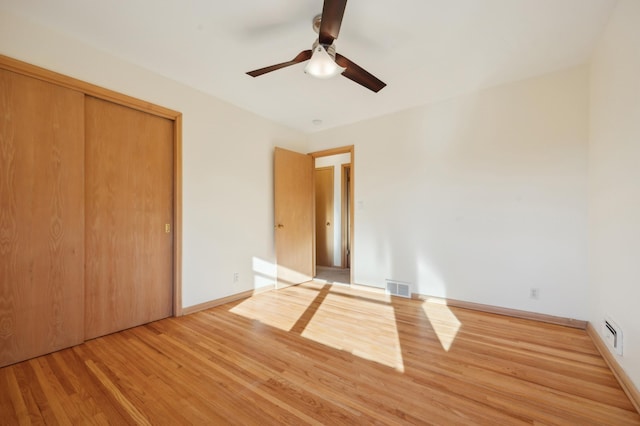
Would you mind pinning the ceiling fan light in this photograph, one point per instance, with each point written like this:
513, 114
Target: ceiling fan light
322, 65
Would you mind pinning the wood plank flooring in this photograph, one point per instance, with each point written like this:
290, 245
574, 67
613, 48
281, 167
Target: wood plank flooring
321, 354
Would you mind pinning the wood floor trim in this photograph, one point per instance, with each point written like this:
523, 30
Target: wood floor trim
232, 298
516, 313
622, 377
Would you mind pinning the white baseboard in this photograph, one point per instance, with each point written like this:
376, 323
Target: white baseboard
217, 302
567, 322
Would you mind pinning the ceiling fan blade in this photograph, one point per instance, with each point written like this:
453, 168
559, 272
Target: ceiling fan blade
332, 13
358, 74
302, 56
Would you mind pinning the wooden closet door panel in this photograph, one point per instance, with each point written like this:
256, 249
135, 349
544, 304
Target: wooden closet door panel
129, 199
41, 217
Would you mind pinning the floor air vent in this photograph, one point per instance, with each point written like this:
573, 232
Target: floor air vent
398, 288
612, 335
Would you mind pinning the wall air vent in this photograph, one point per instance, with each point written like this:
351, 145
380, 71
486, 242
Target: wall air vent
398, 288
612, 335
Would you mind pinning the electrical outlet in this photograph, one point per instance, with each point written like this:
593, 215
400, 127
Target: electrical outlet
236, 277
534, 293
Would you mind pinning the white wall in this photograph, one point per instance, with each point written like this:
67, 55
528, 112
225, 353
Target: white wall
614, 186
336, 161
478, 198
227, 164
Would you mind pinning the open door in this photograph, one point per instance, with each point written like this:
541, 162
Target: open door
293, 215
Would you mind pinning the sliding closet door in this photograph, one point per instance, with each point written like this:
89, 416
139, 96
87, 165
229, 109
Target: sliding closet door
41, 217
129, 220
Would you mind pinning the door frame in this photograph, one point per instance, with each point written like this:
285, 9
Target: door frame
349, 149
43, 74
345, 212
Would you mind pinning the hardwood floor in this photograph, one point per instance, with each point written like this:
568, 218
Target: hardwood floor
317, 354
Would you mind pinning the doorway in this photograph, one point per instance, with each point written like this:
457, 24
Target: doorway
294, 218
333, 202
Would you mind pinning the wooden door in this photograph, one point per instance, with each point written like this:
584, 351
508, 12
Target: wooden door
129, 221
41, 217
324, 215
293, 214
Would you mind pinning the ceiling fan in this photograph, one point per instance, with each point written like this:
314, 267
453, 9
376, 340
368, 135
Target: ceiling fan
324, 61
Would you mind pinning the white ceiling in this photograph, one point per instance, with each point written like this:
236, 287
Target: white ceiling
425, 50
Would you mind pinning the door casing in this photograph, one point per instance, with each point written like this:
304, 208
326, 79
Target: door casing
349, 149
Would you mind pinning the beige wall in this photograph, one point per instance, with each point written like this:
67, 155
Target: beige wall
614, 184
479, 198
227, 167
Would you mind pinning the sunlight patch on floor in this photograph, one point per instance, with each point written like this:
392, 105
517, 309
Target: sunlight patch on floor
367, 332
444, 322
268, 307
361, 323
